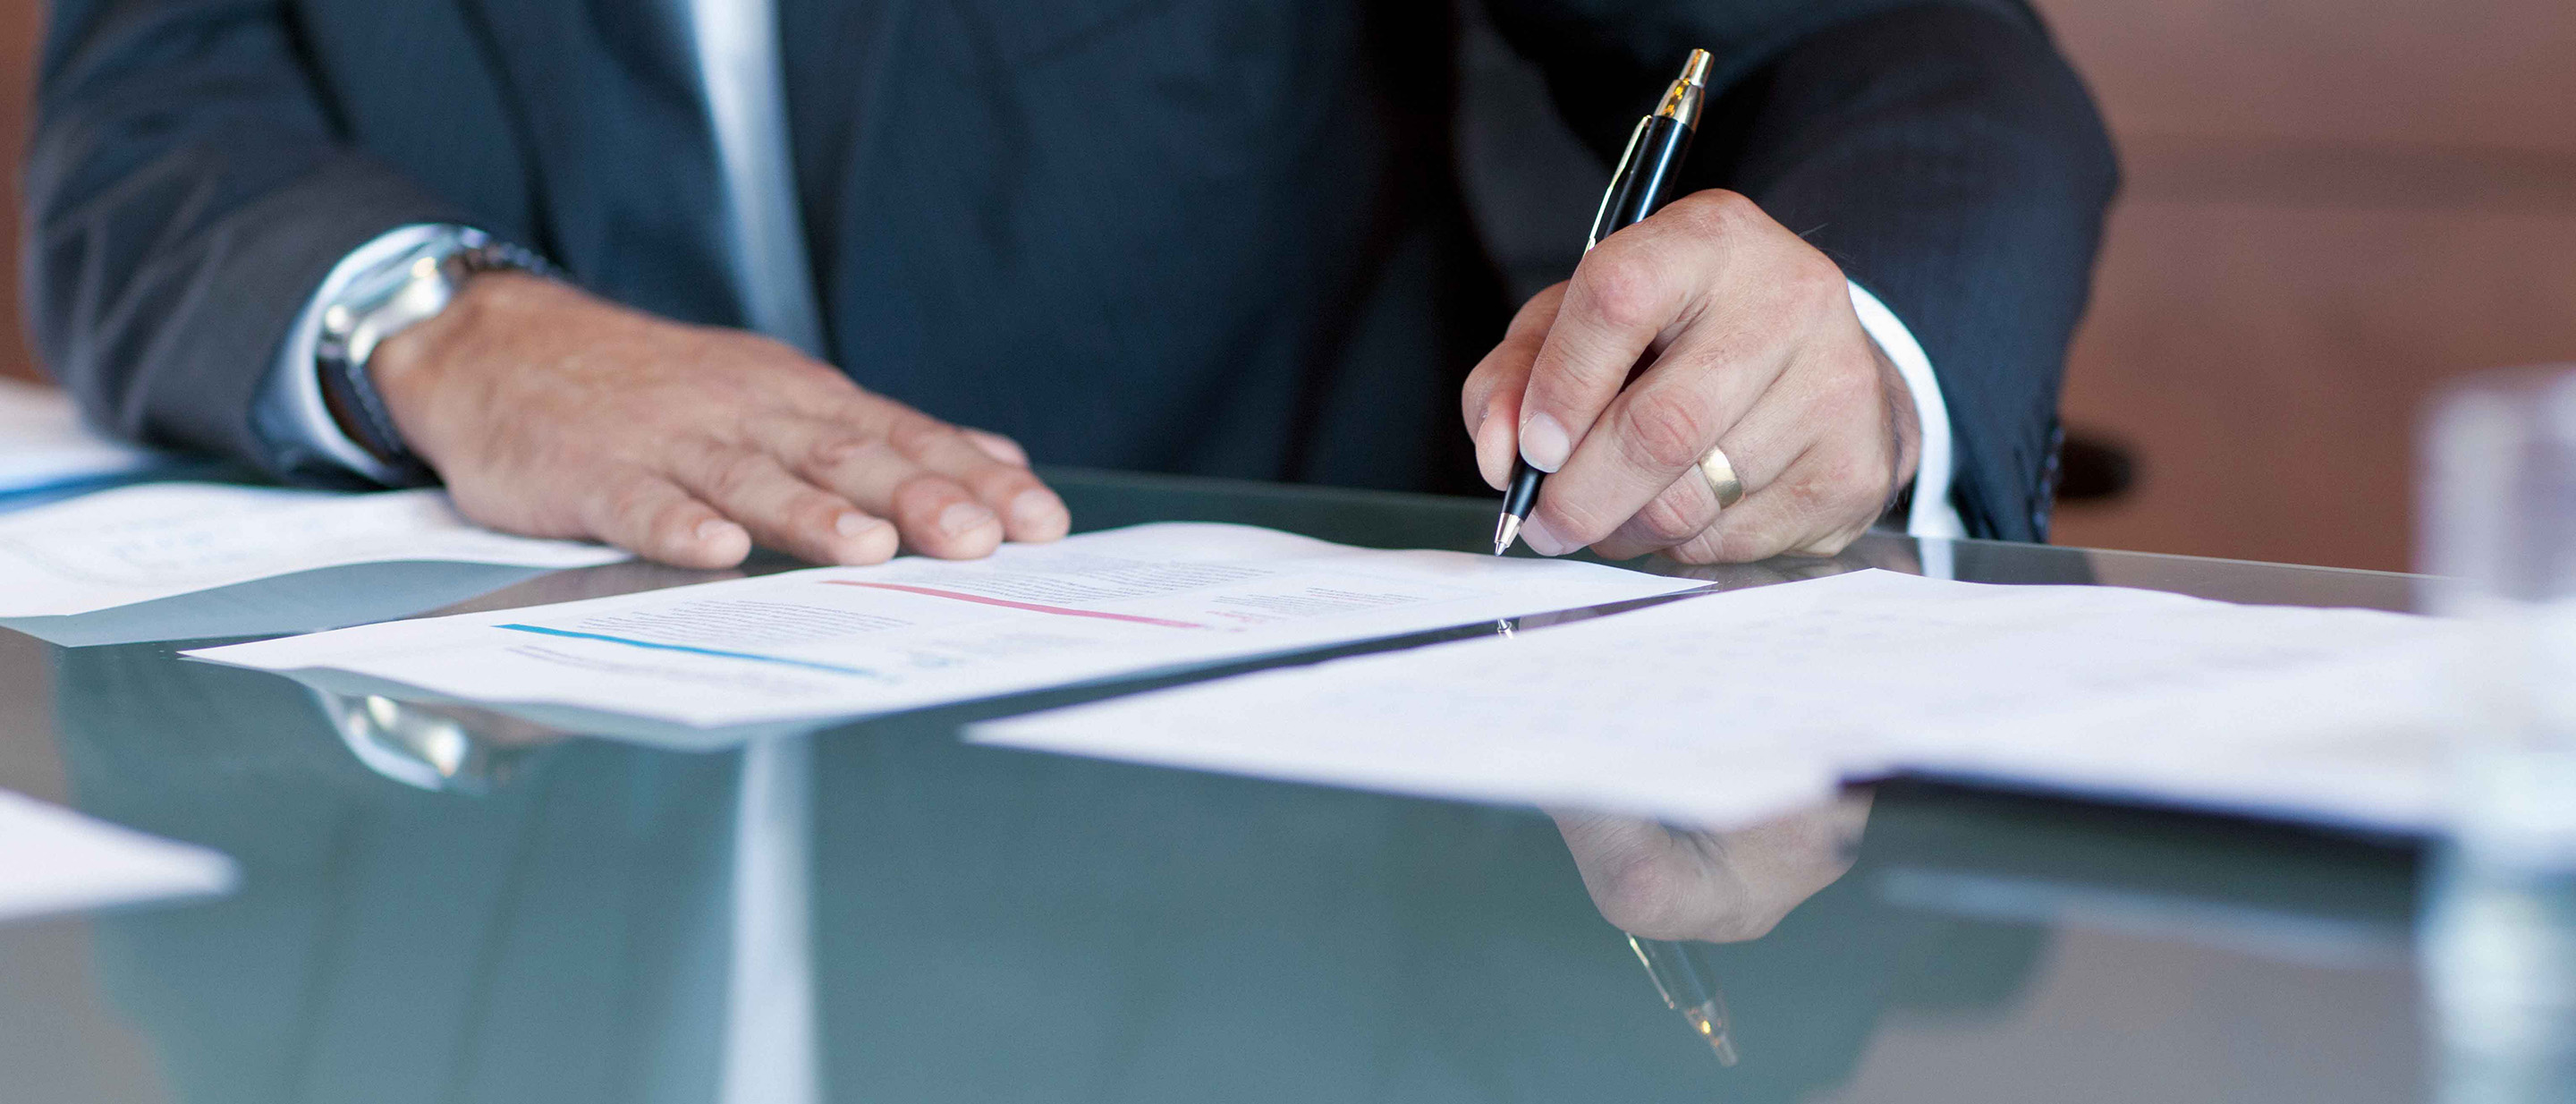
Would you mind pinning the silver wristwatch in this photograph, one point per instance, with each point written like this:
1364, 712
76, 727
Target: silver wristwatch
386, 300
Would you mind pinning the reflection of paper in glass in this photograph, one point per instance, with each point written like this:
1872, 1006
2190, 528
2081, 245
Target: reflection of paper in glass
1725, 709
305, 601
44, 444
54, 860
134, 544
844, 641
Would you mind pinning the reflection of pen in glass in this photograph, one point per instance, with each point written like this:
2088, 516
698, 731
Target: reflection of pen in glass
1688, 991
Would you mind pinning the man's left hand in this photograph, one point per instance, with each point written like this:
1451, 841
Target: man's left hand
1740, 336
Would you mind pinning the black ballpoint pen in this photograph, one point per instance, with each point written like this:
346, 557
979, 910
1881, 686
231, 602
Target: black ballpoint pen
1643, 181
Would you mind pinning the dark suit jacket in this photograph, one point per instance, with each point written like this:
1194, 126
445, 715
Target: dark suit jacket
1213, 236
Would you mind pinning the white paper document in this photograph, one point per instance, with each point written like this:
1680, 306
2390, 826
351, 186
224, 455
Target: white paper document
1724, 709
134, 544
846, 641
54, 860
44, 444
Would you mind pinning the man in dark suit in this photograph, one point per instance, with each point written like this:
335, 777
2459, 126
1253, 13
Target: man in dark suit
1215, 236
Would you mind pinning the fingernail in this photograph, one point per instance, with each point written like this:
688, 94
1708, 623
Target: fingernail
964, 518
854, 523
999, 447
1541, 540
1033, 509
1544, 443
712, 529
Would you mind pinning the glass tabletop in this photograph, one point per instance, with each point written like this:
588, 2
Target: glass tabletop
444, 903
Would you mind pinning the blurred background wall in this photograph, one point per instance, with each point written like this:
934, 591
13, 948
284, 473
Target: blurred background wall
2331, 206
19, 22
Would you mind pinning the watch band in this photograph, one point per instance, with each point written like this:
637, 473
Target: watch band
395, 296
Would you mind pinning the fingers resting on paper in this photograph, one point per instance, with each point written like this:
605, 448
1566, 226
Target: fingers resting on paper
550, 412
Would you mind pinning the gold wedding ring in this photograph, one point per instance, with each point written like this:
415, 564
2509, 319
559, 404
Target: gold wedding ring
1721, 479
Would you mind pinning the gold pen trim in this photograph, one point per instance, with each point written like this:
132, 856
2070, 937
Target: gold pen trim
1682, 101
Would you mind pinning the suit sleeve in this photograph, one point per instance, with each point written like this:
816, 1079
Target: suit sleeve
186, 193
1943, 153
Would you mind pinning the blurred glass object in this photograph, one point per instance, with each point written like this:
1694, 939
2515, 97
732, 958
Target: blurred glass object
2498, 941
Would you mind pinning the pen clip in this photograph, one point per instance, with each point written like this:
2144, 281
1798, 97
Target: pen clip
1612, 192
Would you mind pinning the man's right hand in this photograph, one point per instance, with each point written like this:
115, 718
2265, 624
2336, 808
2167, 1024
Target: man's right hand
1718, 887
553, 413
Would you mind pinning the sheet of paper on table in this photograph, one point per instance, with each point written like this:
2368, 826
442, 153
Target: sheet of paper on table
54, 860
848, 641
135, 544
44, 444
1725, 709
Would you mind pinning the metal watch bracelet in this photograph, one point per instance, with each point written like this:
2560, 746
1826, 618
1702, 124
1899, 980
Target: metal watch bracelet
403, 293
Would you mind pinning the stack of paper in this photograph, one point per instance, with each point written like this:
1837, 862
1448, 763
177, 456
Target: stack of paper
152, 541
1717, 710
1725, 709
44, 444
847, 641
53, 860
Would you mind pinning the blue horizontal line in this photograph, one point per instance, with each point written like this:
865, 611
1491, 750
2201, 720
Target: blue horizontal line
755, 657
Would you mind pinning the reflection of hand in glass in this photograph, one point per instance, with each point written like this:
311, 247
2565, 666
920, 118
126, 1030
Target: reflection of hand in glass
1720, 887
1880, 550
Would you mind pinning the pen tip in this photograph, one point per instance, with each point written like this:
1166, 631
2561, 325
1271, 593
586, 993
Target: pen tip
1695, 70
1504, 531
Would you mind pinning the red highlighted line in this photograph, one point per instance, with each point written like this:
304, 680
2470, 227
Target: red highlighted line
1008, 604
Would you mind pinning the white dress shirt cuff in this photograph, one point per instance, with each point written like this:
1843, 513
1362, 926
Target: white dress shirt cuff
1933, 514
293, 390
